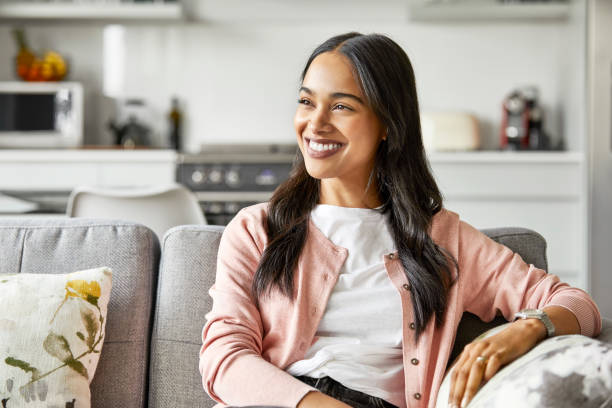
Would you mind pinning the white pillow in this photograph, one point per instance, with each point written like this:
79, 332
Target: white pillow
561, 372
52, 328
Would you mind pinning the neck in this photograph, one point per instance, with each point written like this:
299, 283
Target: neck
349, 194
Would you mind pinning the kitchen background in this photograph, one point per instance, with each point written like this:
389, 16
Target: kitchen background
234, 66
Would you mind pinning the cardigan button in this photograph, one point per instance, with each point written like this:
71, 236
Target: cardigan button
417, 396
414, 361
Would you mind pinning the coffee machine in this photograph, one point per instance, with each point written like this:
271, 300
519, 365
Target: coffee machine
522, 121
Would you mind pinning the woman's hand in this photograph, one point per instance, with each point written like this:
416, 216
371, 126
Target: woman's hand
481, 359
317, 399
503, 348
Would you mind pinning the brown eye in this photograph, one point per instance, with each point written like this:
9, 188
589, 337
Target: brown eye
304, 101
341, 107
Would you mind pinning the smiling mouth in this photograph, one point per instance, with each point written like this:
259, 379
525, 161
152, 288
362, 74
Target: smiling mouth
323, 145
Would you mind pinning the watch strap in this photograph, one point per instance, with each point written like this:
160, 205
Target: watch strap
540, 315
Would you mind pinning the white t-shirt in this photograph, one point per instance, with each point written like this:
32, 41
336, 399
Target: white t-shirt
360, 333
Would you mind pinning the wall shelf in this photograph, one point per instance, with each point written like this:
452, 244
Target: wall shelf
474, 10
90, 11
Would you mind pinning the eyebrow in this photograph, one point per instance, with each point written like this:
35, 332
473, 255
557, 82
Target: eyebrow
336, 95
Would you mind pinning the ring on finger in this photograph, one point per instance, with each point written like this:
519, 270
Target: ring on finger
482, 359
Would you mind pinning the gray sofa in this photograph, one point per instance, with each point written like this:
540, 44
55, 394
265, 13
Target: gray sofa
160, 297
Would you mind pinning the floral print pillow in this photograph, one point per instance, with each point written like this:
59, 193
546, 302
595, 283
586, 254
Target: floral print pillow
561, 372
52, 328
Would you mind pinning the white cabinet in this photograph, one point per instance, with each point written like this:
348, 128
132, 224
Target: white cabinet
62, 170
543, 191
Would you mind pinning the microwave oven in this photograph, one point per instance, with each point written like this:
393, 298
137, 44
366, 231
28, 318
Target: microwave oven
41, 114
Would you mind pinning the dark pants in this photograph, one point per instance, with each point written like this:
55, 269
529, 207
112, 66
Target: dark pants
338, 391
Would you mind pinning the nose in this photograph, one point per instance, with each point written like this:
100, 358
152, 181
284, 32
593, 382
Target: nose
318, 122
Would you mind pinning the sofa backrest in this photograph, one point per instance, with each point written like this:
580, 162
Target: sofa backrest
62, 245
187, 271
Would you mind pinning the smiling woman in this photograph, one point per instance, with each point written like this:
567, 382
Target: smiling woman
332, 119
346, 289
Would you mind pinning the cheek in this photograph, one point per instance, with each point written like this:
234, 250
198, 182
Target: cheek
366, 136
299, 122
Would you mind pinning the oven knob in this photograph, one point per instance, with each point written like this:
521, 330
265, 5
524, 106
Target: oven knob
266, 178
197, 177
232, 178
215, 176
232, 208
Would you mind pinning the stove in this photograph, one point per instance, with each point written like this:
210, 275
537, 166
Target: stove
227, 178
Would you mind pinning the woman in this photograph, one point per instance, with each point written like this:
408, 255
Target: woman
346, 289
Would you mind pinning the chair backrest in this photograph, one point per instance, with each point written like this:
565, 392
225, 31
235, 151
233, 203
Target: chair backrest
188, 266
158, 207
63, 245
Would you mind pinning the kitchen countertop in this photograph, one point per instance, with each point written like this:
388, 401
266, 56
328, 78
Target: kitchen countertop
168, 155
87, 154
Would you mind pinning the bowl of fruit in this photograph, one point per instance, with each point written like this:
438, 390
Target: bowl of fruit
48, 66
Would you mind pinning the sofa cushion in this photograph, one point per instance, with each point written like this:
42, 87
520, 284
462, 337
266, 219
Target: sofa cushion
561, 372
187, 271
55, 245
51, 334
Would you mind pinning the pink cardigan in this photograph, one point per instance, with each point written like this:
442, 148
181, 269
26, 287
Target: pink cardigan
245, 349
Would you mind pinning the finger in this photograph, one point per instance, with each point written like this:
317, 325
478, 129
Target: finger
460, 372
461, 375
473, 382
453, 378
493, 366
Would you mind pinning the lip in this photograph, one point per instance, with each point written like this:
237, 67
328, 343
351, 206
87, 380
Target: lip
324, 154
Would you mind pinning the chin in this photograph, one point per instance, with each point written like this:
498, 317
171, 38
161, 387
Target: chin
317, 172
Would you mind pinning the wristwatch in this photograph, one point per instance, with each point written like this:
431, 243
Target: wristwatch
540, 315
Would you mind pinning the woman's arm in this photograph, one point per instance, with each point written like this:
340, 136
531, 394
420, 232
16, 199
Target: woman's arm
493, 278
502, 348
319, 400
231, 363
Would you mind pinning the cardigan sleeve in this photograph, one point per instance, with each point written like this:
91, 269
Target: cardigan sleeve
231, 363
492, 277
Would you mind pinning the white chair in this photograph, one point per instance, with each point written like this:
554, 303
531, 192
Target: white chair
157, 207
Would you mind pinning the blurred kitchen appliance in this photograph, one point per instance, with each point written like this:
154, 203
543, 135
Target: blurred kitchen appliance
130, 128
522, 121
449, 131
227, 178
41, 114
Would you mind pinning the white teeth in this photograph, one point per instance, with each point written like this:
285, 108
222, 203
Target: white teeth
321, 147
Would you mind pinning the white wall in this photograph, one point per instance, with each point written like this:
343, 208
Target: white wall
600, 100
238, 76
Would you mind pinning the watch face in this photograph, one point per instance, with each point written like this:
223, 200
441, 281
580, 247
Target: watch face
532, 312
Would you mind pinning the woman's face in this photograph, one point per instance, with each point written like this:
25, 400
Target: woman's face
337, 132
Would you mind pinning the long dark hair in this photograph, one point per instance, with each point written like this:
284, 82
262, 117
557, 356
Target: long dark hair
405, 184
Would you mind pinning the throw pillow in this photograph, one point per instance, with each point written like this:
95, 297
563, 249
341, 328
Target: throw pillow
52, 329
561, 372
